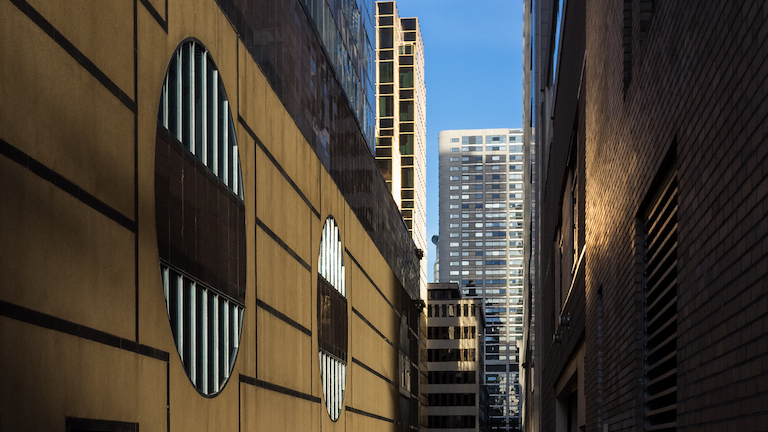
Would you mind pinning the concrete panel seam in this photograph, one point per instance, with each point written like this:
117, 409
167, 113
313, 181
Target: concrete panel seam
278, 389
281, 316
76, 54
156, 15
369, 369
278, 240
65, 185
371, 415
277, 165
29, 316
356, 312
371, 281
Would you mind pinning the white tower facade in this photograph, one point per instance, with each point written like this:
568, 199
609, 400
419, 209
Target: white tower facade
482, 208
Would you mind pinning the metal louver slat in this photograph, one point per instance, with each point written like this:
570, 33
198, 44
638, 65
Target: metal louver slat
662, 328
663, 427
657, 262
663, 344
662, 290
666, 375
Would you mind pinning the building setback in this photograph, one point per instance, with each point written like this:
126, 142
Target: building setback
194, 232
457, 397
401, 123
481, 247
651, 259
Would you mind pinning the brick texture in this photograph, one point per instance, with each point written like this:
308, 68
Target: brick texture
699, 78
698, 93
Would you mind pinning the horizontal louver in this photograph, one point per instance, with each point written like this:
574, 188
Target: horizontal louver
660, 291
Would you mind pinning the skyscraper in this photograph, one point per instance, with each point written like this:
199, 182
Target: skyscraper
482, 209
401, 120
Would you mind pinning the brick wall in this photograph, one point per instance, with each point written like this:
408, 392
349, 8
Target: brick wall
698, 79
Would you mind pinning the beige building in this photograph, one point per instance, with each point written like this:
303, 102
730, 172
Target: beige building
457, 398
189, 237
401, 127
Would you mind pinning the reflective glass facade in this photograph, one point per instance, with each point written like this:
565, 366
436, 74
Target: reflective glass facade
292, 50
401, 128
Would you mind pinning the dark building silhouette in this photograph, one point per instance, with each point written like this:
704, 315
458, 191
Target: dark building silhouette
651, 258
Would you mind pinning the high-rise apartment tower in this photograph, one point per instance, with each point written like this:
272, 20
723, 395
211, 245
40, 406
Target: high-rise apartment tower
401, 126
482, 209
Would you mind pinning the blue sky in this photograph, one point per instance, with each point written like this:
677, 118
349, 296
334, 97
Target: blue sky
473, 70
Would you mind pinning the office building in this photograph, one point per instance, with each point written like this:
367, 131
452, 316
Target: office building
401, 127
482, 173
651, 260
457, 397
194, 232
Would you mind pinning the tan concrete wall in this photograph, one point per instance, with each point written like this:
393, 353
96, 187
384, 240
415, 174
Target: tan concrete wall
74, 279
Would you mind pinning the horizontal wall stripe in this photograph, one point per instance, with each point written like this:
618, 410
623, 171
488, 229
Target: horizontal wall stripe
155, 14
369, 369
278, 166
276, 313
372, 282
282, 244
67, 186
79, 57
278, 389
356, 312
84, 424
371, 415
29, 316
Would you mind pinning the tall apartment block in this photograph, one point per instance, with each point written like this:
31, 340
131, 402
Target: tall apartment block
457, 397
401, 127
482, 209
194, 232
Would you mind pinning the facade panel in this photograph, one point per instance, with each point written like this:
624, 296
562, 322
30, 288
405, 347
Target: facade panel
647, 129
83, 208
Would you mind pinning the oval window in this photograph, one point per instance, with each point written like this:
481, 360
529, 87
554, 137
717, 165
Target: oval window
332, 318
200, 216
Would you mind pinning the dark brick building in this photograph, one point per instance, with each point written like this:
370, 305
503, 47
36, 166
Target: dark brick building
651, 267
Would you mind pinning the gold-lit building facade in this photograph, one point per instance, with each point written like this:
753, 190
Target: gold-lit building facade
401, 127
194, 232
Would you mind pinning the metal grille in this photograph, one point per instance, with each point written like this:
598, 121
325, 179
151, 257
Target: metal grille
195, 109
332, 318
660, 291
206, 328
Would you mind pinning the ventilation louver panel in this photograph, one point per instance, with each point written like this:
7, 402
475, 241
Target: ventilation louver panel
660, 291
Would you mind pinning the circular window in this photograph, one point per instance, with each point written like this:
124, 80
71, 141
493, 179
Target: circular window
332, 318
200, 217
